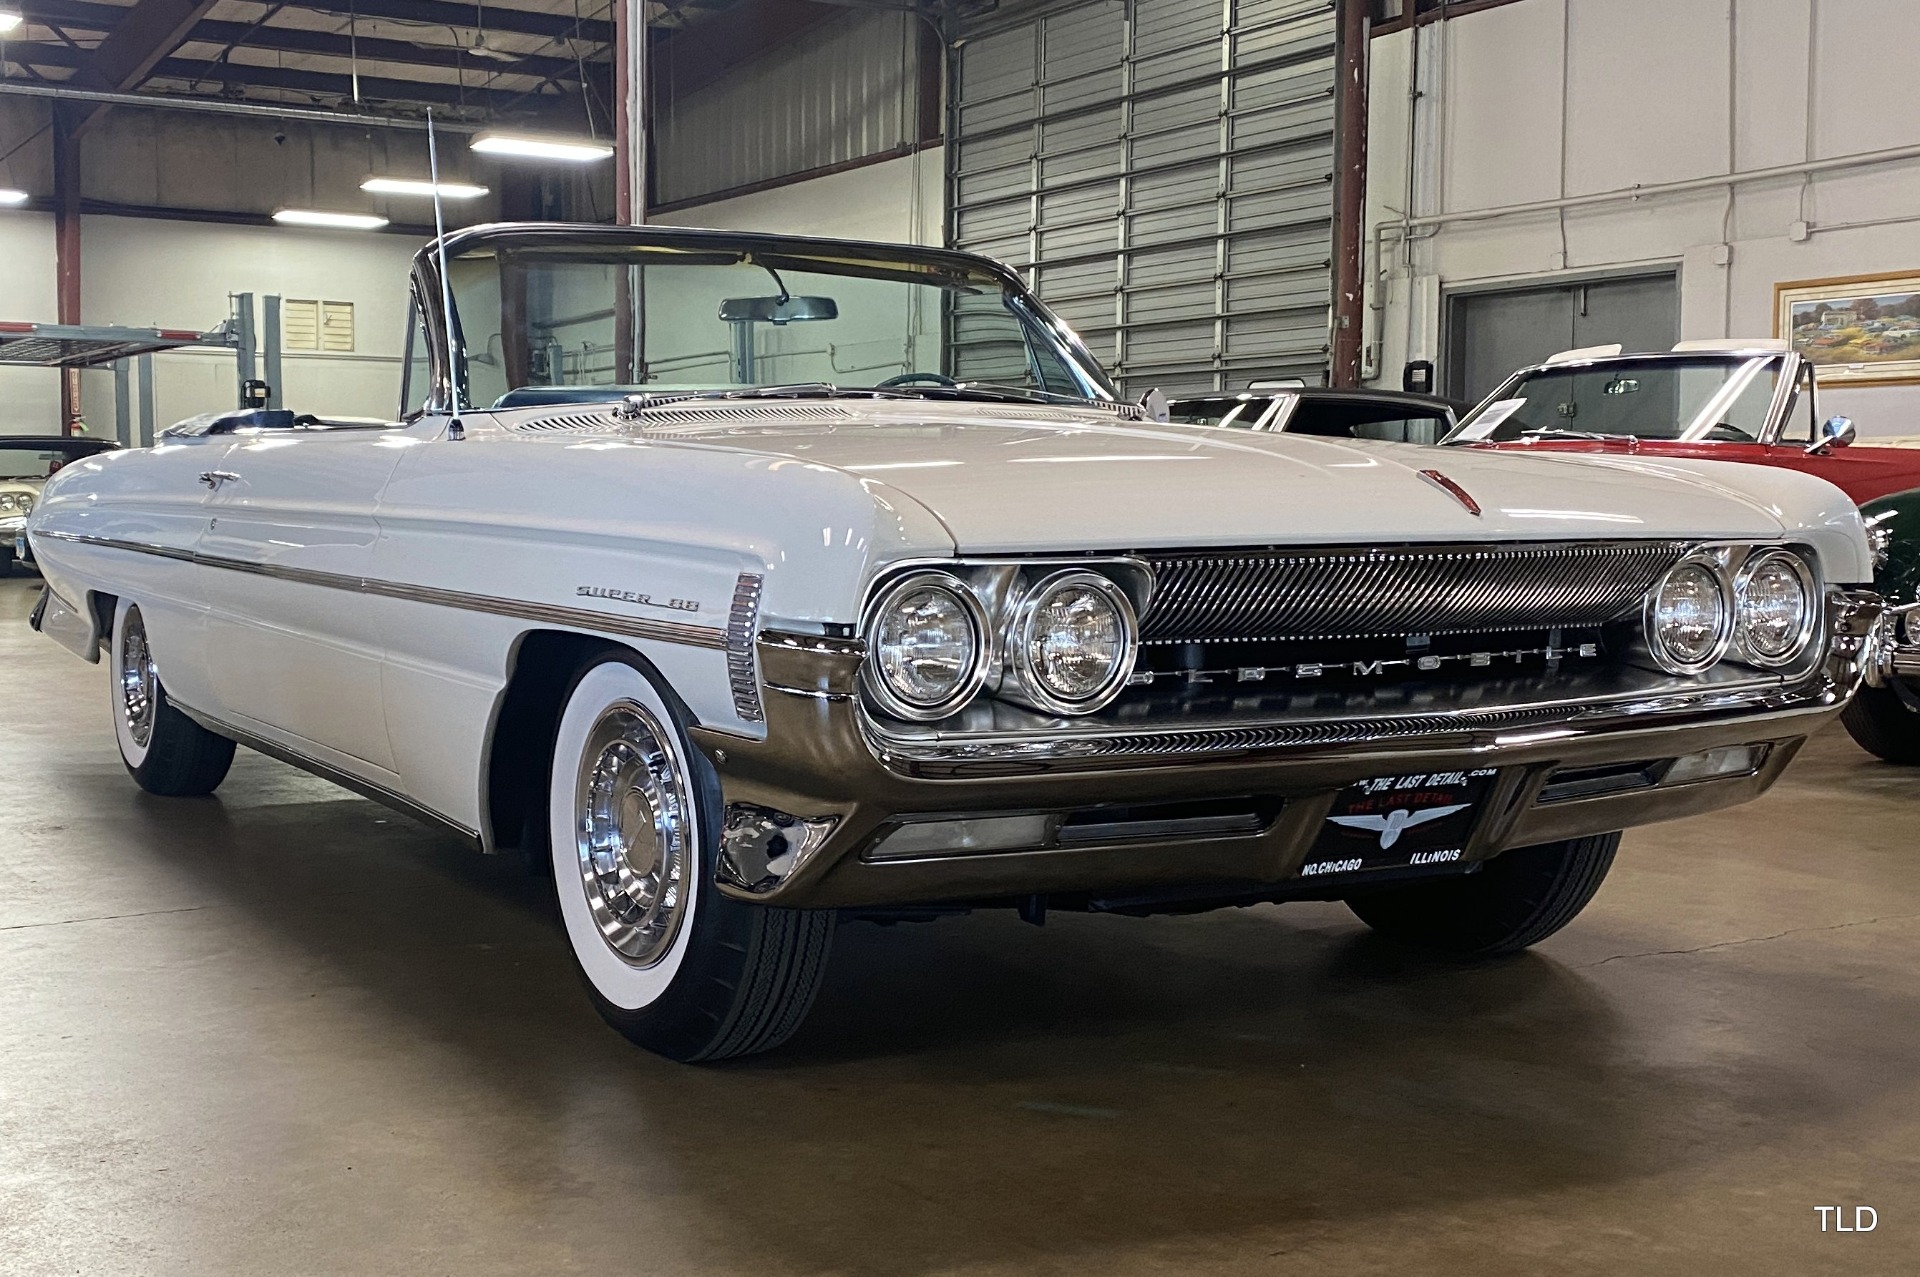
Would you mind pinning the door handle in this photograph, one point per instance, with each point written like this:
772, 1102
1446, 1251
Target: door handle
214, 478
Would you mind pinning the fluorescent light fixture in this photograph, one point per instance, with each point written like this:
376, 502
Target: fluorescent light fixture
8, 21
411, 186
12, 198
335, 221
541, 148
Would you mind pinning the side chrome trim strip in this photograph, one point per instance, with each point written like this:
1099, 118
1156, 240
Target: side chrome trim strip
679, 632
742, 621
326, 771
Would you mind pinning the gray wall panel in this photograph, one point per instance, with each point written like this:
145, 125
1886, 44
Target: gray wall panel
1162, 169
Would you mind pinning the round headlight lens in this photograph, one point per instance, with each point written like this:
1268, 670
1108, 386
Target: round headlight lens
1076, 642
927, 653
1689, 617
1775, 601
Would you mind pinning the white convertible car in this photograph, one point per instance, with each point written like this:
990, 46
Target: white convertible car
762, 581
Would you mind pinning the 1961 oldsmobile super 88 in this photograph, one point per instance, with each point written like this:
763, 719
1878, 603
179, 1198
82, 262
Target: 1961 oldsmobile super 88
759, 581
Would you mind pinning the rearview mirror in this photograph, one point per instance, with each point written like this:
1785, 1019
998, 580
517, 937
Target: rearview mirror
1835, 432
777, 310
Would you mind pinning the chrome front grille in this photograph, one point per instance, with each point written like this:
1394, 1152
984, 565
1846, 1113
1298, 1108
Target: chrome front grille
1273, 595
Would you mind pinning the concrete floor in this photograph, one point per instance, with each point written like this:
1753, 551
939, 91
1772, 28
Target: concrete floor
286, 1031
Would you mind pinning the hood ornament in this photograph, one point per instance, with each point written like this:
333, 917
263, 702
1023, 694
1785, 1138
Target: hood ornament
1453, 490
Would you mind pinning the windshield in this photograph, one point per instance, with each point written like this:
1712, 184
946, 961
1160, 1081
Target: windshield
36, 460
572, 322
1708, 398
1243, 412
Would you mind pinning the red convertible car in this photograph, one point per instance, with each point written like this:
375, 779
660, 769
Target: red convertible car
1752, 401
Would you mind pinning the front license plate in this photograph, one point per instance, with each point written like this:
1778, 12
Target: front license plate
1398, 822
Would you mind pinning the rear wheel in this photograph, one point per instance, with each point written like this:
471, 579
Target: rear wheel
165, 752
1518, 898
633, 823
1884, 722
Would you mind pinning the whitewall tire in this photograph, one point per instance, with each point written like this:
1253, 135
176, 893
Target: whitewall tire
632, 823
164, 751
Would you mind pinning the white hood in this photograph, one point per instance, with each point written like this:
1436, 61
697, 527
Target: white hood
1005, 480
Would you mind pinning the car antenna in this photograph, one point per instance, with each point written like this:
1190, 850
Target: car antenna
454, 430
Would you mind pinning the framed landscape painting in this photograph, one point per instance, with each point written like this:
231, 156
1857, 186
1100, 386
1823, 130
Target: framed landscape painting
1863, 329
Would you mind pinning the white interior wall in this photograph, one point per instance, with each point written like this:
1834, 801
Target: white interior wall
1550, 98
151, 272
898, 201
29, 397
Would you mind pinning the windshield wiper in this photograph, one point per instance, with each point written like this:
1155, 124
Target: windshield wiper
1557, 432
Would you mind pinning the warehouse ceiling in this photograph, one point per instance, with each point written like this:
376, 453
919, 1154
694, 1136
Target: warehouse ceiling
501, 59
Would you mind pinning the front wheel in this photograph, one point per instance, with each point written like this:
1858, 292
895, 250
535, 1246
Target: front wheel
165, 752
633, 823
1518, 898
1882, 722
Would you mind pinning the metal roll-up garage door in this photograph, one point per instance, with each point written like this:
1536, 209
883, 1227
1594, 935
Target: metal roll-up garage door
1162, 170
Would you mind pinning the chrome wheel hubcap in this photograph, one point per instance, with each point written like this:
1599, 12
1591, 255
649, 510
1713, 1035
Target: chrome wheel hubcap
137, 680
632, 814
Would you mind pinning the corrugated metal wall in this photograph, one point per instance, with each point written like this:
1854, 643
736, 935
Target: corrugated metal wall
842, 91
1163, 169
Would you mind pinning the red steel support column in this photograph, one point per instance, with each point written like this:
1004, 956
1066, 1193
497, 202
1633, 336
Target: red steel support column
1349, 192
66, 250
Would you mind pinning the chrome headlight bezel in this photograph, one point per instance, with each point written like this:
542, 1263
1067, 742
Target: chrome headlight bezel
1723, 638
873, 674
1809, 617
1023, 682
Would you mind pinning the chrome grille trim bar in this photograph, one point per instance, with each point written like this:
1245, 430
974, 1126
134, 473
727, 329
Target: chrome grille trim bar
1273, 595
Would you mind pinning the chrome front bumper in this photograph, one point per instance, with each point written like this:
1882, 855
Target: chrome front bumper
806, 806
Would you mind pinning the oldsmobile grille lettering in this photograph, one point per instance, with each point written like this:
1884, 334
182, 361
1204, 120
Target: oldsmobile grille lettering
631, 596
1369, 669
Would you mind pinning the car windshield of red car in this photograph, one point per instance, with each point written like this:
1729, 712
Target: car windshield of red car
1724, 399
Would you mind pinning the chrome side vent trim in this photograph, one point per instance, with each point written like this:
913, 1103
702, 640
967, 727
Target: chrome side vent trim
1272, 595
742, 621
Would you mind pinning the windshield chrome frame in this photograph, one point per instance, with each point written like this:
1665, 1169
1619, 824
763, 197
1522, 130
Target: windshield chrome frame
1786, 390
425, 272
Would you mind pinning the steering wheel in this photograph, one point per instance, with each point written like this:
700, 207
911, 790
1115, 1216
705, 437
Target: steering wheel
908, 378
1730, 434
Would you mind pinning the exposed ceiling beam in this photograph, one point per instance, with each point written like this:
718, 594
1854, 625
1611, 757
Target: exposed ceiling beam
151, 30
317, 83
83, 15
370, 49
78, 15
556, 26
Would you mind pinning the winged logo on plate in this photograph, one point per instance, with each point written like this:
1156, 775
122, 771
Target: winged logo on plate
1391, 825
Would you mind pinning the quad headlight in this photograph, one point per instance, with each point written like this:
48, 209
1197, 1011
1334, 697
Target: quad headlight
1776, 608
16, 503
927, 646
1689, 618
1762, 611
1072, 643
1061, 640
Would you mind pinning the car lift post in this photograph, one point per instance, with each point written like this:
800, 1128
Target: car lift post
270, 344
122, 403
243, 344
146, 400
